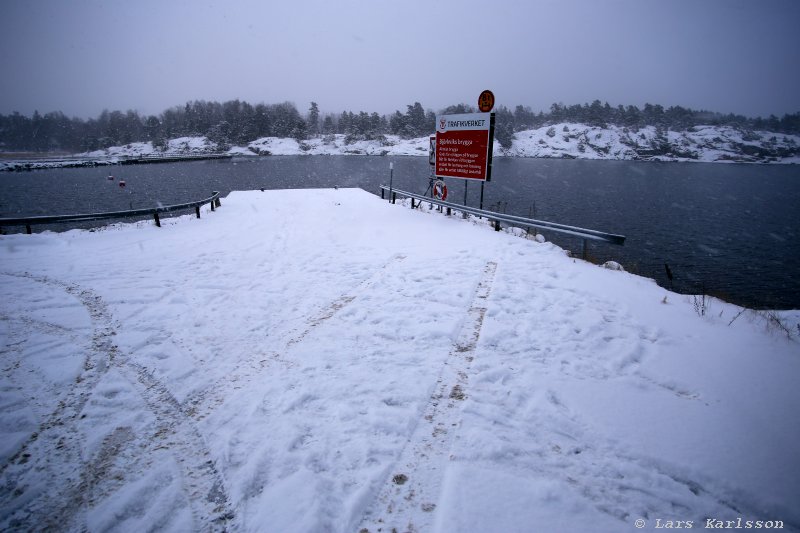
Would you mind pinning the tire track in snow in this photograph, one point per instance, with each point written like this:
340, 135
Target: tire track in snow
407, 499
40, 402
94, 366
54, 447
247, 371
64, 505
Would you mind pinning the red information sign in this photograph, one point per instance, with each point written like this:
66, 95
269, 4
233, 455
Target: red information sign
464, 146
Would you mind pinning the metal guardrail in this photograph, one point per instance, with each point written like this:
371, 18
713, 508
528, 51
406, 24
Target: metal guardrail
53, 219
512, 220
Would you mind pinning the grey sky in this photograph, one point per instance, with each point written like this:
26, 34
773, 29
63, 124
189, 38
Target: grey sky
81, 56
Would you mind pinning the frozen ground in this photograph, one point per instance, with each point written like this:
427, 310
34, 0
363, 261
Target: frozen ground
320, 360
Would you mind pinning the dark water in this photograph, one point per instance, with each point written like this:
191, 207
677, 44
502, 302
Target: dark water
728, 230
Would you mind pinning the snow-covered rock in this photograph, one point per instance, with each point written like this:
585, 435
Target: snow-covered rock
612, 265
573, 141
702, 143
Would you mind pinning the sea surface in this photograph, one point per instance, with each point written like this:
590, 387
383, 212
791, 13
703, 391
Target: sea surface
729, 230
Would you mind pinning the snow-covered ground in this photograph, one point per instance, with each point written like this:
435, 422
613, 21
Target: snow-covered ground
335, 145
178, 146
565, 140
320, 360
702, 143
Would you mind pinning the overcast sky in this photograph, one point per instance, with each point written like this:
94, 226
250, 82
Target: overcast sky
83, 56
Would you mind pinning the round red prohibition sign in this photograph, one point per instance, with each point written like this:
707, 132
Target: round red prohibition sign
486, 101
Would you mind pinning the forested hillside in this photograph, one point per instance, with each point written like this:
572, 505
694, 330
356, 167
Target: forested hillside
236, 123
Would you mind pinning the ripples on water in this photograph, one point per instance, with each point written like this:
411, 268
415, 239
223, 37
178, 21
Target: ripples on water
729, 228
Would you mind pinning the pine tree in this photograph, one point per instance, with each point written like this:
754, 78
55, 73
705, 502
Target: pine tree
504, 126
328, 126
313, 119
416, 123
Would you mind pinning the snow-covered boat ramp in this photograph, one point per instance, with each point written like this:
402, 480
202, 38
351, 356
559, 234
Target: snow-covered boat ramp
320, 360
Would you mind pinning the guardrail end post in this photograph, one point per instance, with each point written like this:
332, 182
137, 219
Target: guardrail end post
158, 220
197, 210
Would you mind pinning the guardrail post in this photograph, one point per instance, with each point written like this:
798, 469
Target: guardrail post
497, 225
218, 202
383, 194
448, 211
158, 220
394, 197
197, 210
28, 228
412, 203
212, 205
583, 249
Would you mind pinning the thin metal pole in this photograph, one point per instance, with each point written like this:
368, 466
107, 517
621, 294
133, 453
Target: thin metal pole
481, 206
391, 176
465, 197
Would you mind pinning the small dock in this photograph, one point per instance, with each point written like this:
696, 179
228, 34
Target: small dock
75, 162
170, 158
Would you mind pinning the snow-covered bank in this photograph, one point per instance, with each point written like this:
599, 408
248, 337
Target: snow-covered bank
320, 360
701, 143
565, 140
182, 146
335, 145
574, 141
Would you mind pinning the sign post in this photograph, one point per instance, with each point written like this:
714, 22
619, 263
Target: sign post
485, 104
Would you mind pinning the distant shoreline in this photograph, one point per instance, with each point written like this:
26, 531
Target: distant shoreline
703, 144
